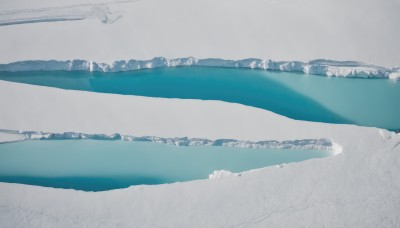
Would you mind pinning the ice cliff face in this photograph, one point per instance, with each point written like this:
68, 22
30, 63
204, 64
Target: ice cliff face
328, 68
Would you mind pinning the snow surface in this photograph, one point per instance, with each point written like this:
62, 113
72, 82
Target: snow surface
359, 187
320, 67
360, 30
7, 137
52, 14
221, 174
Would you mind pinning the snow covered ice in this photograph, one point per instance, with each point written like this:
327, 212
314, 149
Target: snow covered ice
357, 187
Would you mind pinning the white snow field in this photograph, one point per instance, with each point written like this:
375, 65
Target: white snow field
357, 187
51, 14
281, 30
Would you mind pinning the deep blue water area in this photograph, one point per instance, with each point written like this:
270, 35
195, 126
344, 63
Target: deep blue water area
366, 102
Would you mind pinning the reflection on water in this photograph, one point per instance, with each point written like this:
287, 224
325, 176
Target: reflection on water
96, 165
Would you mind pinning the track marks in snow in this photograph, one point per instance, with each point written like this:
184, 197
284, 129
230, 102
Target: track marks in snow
101, 12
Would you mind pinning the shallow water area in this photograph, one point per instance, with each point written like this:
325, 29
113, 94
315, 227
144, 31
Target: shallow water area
97, 165
366, 102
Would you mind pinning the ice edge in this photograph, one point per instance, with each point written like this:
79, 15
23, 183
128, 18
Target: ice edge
328, 68
303, 144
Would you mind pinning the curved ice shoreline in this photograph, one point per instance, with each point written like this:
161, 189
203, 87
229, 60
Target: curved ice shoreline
302, 144
328, 68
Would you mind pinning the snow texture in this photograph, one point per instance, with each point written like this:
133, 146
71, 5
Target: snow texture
52, 14
281, 30
222, 174
319, 67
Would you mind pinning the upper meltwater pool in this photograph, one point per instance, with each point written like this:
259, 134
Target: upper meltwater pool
367, 102
96, 165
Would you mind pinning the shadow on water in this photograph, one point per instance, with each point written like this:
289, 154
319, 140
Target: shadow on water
244, 86
84, 183
96, 165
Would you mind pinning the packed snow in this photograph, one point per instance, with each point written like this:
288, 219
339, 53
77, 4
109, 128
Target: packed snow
53, 14
283, 30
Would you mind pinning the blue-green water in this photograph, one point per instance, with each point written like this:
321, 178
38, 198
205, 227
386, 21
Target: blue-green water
96, 165
367, 102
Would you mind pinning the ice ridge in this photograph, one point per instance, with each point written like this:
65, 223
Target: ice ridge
306, 144
328, 68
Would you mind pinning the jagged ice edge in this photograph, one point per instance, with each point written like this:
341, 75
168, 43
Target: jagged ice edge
302, 144
328, 68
